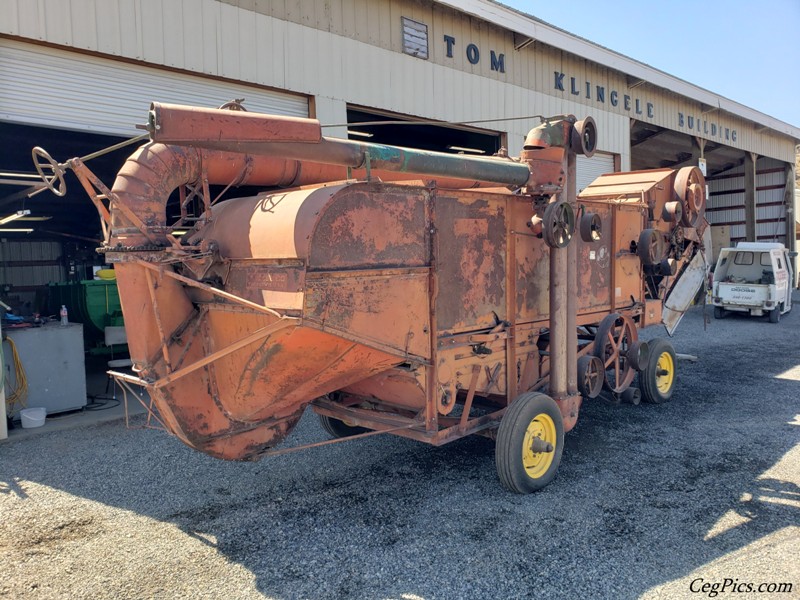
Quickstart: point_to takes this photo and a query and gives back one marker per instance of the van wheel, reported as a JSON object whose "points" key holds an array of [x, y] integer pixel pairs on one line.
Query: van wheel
{"points": [[775, 315], [657, 381], [530, 441], [339, 429], [719, 312]]}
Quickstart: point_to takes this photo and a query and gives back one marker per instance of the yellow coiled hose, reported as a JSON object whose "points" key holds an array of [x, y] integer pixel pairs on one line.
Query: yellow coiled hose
{"points": [[15, 398]]}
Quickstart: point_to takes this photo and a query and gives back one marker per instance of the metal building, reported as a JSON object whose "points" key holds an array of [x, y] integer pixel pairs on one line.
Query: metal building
{"points": [[78, 75]]}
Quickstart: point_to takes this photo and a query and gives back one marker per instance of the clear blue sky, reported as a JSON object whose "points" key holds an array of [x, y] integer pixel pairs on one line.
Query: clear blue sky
{"points": [[744, 50]]}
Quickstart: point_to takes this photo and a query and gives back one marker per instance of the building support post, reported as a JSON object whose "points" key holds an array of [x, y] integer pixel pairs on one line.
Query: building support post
{"points": [[750, 196], [791, 215], [698, 149]]}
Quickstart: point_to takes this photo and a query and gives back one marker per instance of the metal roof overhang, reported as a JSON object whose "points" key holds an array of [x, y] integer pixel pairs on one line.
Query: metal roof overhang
{"points": [[530, 26]]}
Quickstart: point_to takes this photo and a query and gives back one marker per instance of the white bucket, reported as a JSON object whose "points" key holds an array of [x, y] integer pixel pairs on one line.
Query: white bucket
{"points": [[32, 417]]}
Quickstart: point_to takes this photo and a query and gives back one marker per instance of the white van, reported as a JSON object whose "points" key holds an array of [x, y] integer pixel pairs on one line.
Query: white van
{"points": [[755, 278]]}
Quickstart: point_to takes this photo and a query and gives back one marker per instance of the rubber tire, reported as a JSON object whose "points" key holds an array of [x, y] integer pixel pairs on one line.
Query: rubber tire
{"points": [[775, 315], [648, 377], [339, 429], [719, 312], [510, 438]]}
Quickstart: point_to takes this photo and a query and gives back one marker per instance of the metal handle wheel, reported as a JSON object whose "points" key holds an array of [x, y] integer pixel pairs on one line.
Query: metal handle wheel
{"points": [[55, 180]]}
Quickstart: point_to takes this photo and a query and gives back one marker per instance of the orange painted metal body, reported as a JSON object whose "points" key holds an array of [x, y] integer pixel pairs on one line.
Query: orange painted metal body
{"points": [[386, 304]]}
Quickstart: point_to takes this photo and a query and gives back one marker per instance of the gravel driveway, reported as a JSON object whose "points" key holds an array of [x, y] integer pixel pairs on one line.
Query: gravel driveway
{"points": [[651, 501]]}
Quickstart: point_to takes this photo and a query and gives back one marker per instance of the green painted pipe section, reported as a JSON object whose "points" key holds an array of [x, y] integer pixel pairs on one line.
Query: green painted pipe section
{"points": [[440, 164]]}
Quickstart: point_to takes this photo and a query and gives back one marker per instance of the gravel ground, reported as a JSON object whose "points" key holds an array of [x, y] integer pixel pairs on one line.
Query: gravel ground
{"points": [[648, 499]]}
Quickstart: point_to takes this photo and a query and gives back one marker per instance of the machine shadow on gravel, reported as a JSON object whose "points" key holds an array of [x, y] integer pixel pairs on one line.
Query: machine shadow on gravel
{"points": [[638, 502]]}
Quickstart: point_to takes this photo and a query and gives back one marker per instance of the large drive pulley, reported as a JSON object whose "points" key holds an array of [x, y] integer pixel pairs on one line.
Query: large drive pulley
{"points": [[616, 336], [584, 137], [591, 375], [558, 224], [691, 191], [591, 227], [650, 247]]}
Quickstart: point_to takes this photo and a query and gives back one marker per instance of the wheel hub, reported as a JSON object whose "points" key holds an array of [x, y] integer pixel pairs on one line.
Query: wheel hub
{"points": [[538, 445]]}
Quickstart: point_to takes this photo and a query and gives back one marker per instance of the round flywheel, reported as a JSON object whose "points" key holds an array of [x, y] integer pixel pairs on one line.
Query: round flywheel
{"points": [[650, 247], [591, 227], [584, 137], [558, 224], [616, 334], [591, 375], [690, 187]]}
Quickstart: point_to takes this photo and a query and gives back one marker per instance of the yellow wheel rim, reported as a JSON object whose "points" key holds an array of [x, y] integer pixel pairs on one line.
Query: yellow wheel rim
{"points": [[665, 372], [537, 463]]}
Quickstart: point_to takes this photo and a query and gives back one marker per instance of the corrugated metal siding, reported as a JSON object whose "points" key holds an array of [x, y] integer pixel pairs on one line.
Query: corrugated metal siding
{"points": [[25, 275], [352, 50], [726, 201], [21, 250], [50, 87], [770, 207]]}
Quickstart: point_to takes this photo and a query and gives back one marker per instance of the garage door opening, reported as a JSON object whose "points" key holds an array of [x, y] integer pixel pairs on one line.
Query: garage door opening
{"points": [[72, 215], [366, 126], [654, 147]]}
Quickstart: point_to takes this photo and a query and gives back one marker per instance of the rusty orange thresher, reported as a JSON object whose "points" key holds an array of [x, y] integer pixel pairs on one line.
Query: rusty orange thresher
{"points": [[427, 295]]}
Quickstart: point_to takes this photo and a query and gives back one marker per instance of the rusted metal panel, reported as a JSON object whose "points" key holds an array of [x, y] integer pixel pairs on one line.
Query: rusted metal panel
{"points": [[533, 260], [628, 224], [621, 185], [268, 283], [370, 225], [394, 388], [257, 391], [273, 226], [594, 264], [652, 313], [388, 309], [470, 261], [283, 372]]}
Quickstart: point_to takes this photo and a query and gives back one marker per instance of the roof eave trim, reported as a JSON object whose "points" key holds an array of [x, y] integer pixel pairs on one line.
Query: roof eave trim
{"points": [[515, 21]]}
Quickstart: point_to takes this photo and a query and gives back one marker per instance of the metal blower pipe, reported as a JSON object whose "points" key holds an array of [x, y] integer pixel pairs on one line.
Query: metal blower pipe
{"points": [[175, 124], [572, 282], [559, 295], [226, 135]]}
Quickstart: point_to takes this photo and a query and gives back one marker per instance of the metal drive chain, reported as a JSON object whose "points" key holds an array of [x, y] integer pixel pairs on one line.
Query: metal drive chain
{"points": [[143, 248]]}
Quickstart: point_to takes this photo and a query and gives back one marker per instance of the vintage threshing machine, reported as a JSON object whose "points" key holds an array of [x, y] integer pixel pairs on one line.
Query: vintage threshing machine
{"points": [[422, 294]]}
